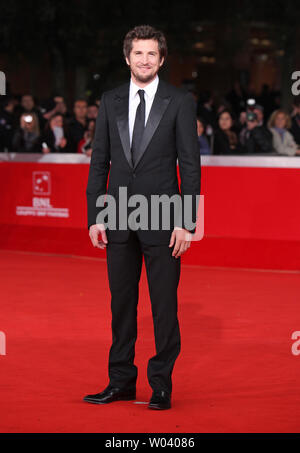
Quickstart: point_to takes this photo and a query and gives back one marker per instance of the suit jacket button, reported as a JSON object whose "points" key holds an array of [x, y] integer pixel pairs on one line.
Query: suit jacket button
{"points": [[134, 175]]}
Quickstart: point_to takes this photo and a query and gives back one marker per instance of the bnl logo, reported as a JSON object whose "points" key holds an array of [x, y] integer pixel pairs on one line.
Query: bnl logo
{"points": [[2, 343], [2, 84]]}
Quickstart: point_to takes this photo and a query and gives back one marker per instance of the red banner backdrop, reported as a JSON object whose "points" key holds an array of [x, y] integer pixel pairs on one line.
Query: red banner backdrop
{"points": [[43, 194], [251, 215]]}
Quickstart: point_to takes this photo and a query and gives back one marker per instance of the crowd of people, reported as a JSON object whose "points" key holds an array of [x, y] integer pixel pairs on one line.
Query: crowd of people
{"points": [[26, 127], [238, 124], [241, 124]]}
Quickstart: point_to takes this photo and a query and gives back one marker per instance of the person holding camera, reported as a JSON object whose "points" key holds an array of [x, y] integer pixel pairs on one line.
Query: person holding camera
{"points": [[28, 106], [256, 139], [26, 138]]}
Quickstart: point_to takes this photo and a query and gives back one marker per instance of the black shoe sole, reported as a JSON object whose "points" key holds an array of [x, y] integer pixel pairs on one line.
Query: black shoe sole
{"points": [[158, 408], [120, 398]]}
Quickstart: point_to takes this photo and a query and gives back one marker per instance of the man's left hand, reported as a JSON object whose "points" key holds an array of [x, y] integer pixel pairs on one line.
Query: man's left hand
{"points": [[182, 240]]}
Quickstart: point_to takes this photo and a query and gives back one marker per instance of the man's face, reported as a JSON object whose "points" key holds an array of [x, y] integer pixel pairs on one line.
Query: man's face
{"points": [[58, 99], [252, 124], [27, 103], [144, 60], [61, 107], [92, 112], [80, 109]]}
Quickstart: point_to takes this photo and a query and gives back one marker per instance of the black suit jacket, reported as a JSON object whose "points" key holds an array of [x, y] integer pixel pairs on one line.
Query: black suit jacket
{"points": [[170, 134]]}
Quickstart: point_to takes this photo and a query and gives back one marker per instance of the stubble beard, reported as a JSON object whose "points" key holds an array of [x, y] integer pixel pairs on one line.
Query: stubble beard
{"points": [[145, 78]]}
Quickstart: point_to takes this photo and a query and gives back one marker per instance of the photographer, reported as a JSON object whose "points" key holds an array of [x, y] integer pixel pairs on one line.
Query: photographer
{"points": [[29, 107], [26, 139], [256, 139]]}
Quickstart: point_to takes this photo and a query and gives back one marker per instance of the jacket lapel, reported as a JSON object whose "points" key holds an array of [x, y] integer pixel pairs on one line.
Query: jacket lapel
{"points": [[121, 105], [159, 105]]}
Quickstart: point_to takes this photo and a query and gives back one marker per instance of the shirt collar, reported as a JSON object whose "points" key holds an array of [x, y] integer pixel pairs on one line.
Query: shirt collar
{"points": [[149, 89]]}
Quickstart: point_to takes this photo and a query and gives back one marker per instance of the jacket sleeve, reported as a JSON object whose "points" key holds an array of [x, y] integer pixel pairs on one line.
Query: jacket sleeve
{"points": [[263, 139], [100, 164], [189, 162]]}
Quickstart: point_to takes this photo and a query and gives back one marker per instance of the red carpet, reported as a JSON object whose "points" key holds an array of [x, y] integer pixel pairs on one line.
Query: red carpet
{"points": [[210, 251], [236, 372]]}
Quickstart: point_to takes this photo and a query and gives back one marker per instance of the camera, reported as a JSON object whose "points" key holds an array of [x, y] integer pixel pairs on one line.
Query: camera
{"points": [[250, 104], [28, 119]]}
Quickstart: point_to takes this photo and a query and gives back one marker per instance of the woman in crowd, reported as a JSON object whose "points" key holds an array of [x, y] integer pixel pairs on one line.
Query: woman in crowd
{"points": [[204, 147], [283, 141], [27, 137], [54, 138], [225, 139], [85, 145]]}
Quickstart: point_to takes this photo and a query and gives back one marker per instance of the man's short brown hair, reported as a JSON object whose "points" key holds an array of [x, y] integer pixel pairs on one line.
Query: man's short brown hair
{"points": [[145, 32]]}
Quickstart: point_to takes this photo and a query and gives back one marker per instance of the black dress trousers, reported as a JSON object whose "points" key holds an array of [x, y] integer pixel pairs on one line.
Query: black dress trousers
{"points": [[124, 264]]}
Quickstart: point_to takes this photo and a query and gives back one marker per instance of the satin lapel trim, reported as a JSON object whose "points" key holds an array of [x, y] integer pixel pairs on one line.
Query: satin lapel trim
{"points": [[157, 110], [122, 103]]}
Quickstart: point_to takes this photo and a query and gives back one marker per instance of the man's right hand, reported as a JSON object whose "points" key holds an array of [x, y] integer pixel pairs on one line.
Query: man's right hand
{"points": [[94, 232]]}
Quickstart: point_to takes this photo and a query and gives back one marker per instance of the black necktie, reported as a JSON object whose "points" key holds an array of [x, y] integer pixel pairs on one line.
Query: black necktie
{"points": [[139, 126]]}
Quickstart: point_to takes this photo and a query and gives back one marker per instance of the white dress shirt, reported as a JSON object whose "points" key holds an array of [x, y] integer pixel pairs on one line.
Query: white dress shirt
{"points": [[134, 100]]}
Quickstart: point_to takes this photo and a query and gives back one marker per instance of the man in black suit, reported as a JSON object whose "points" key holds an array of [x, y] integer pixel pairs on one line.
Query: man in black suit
{"points": [[142, 128]]}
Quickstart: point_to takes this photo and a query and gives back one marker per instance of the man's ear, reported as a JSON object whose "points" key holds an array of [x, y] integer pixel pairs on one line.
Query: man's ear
{"points": [[161, 61], [127, 61]]}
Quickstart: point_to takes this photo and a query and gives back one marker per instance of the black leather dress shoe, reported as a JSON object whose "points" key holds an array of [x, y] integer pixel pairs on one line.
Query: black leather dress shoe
{"points": [[111, 394], [160, 400]]}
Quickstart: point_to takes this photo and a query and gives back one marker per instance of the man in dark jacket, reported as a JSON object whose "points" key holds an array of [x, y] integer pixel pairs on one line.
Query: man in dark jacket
{"points": [[77, 125], [256, 139], [7, 122], [142, 128]]}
